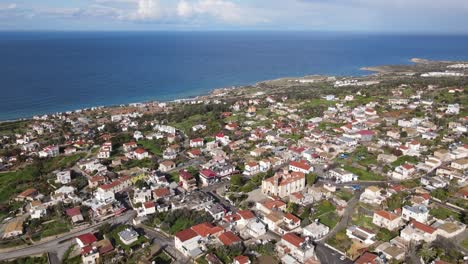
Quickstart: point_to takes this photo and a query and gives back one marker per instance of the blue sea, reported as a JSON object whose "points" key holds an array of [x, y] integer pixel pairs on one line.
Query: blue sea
{"points": [[46, 72]]}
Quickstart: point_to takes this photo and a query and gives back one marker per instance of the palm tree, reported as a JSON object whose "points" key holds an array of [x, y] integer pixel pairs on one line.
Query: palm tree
{"points": [[427, 253]]}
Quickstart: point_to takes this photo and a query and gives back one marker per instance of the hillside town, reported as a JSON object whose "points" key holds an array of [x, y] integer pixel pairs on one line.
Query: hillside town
{"points": [[333, 170]]}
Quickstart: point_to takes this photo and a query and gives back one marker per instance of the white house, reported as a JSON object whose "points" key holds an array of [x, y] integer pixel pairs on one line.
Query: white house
{"points": [[419, 213], [216, 210], [186, 241], [196, 143], [300, 166], [64, 177], [403, 172], [385, 219], [296, 247], [316, 230], [128, 236], [341, 175], [361, 234], [372, 195], [417, 231], [453, 109], [140, 154]]}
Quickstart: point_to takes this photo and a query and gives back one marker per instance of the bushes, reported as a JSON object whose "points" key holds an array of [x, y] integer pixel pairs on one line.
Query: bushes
{"points": [[178, 220]]}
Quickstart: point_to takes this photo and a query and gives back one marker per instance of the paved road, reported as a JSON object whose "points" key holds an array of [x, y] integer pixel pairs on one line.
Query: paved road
{"points": [[60, 244], [329, 256], [346, 218]]}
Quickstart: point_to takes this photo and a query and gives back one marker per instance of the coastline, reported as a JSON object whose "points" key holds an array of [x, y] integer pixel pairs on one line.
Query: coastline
{"points": [[417, 64]]}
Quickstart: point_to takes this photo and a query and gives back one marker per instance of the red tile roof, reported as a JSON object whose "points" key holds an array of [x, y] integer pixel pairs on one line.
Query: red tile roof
{"points": [[242, 259], [367, 258], [149, 204], [205, 229], [162, 192], [293, 239], [366, 132], [387, 215], [27, 192], [292, 217], [300, 164], [140, 151], [422, 227], [186, 234], [246, 214], [228, 238], [408, 166], [207, 173], [87, 238], [270, 204], [73, 211], [185, 175]]}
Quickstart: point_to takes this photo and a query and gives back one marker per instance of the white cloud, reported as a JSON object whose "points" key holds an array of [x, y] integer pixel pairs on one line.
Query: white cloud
{"points": [[184, 9], [224, 10], [8, 6], [147, 10]]}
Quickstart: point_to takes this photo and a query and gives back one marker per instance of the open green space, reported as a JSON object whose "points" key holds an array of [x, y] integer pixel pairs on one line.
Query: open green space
{"points": [[363, 174]]}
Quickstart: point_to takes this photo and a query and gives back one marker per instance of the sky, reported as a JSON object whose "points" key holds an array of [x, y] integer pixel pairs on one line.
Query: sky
{"points": [[422, 16]]}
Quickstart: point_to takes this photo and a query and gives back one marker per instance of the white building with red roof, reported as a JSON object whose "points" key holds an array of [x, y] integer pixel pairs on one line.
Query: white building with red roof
{"points": [[386, 219], [117, 185], [296, 247], [85, 239], [186, 241], [251, 168], [196, 143], [140, 153], [300, 166], [417, 231], [207, 177], [403, 172]]}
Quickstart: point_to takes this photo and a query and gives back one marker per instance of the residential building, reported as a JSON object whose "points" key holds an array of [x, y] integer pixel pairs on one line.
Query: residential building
{"points": [[419, 213], [385, 219], [283, 184], [361, 234], [417, 231]]}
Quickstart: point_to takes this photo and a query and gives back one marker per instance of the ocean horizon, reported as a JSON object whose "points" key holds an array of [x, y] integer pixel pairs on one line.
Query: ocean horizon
{"points": [[47, 72]]}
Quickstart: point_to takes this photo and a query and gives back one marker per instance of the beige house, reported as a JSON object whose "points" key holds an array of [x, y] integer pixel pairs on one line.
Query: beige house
{"points": [[166, 165], [284, 184]]}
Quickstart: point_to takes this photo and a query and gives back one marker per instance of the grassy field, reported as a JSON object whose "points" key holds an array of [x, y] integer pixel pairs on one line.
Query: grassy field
{"points": [[54, 228], [153, 146], [443, 213], [404, 159], [326, 213], [363, 221], [15, 182], [344, 194], [61, 162], [364, 175]]}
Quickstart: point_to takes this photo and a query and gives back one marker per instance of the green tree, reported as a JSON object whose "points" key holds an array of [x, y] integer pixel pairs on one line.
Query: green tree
{"points": [[427, 253], [441, 194], [311, 178], [236, 180], [292, 208], [105, 228]]}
